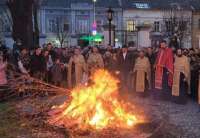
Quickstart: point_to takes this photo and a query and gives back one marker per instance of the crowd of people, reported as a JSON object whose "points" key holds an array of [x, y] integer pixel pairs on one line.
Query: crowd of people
{"points": [[168, 73]]}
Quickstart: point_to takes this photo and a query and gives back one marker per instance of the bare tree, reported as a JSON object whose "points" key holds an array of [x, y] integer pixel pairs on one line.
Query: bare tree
{"points": [[61, 31], [177, 25]]}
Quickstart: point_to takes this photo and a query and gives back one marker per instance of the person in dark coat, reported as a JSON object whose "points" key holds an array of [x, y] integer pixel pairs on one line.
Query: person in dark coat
{"points": [[194, 76], [152, 58], [37, 64], [52, 53], [124, 66]]}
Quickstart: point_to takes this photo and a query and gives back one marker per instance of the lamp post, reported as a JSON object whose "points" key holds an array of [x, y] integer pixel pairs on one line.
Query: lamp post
{"points": [[94, 1], [94, 25], [110, 13]]}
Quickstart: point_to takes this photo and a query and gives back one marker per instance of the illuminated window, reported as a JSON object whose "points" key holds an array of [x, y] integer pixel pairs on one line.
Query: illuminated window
{"points": [[131, 26], [146, 23]]}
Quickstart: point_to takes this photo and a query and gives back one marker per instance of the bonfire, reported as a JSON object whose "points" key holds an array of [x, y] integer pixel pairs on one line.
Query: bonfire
{"points": [[96, 105]]}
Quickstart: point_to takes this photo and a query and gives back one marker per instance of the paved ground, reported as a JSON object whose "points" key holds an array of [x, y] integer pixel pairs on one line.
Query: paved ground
{"points": [[185, 119], [173, 120]]}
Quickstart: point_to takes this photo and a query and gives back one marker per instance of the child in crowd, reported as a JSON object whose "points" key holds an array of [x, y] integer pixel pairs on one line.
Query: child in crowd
{"points": [[56, 72]]}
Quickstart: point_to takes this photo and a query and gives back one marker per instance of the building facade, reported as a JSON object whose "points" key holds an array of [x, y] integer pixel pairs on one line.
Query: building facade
{"points": [[77, 19], [140, 23], [149, 22]]}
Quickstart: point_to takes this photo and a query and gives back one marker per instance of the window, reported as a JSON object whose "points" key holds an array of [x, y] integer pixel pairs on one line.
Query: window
{"points": [[131, 26], [156, 26], [82, 26], [99, 25], [66, 27], [168, 26], [52, 25], [51, 11], [182, 25]]}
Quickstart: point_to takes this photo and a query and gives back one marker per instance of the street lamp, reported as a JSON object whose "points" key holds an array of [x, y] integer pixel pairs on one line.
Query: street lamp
{"points": [[94, 25], [110, 13], [94, 1]]}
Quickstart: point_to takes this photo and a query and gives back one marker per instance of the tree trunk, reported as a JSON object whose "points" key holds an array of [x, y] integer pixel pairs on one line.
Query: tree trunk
{"points": [[61, 43], [21, 12], [36, 26]]}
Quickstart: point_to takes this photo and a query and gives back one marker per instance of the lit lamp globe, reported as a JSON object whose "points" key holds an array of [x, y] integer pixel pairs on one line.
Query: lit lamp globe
{"points": [[94, 32], [110, 13]]}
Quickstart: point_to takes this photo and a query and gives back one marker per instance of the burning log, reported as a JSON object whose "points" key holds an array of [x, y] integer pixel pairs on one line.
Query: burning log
{"points": [[94, 107]]}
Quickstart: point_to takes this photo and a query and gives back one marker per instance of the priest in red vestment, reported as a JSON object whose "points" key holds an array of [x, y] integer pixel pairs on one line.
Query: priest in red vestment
{"points": [[164, 69]]}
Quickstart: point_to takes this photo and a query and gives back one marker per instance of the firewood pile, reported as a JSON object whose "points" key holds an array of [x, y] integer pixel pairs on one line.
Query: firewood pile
{"points": [[25, 85]]}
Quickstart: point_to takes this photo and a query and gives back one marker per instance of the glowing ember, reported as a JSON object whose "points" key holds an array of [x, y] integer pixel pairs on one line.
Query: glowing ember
{"points": [[95, 106]]}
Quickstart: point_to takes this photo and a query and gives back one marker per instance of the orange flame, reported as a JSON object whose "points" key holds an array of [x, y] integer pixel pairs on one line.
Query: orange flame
{"points": [[96, 106]]}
